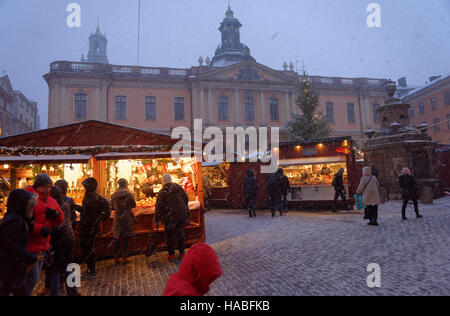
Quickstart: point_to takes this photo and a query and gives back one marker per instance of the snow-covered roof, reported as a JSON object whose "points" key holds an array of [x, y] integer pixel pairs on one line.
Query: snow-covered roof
{"points": [[430, 84]]}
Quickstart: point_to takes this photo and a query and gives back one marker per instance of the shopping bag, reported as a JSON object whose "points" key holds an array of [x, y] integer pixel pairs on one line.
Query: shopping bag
{"points": [[358, 201]]}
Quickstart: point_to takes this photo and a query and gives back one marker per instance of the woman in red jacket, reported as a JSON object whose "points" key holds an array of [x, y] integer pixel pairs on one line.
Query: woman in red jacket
{"points": [[47, 215], [200, 267]]}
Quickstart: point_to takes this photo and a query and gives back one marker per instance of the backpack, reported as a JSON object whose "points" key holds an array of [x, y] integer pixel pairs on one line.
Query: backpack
{"points": [[105, 208]]}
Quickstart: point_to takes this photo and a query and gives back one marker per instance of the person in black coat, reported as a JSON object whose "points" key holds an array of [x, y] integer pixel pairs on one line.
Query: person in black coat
{"points": [[172, 208], [250, 192], [14, 232], [410, 191], [274, 184], [339, 189], [92, 213], [285, 189]]}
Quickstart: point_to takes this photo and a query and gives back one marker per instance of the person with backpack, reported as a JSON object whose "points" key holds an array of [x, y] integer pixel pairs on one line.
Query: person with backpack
{"points": [[274, 183], [368, 188], [285, 189], [15, 230], [410, 191], [47, 215], [250, 192], [339, 189], [123, 228], [172, 209], [95, 210]]}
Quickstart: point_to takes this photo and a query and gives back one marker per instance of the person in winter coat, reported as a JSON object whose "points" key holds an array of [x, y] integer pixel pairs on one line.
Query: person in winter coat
{"points": [[207, 192], [250, 192], [93, 212], [410, 191], [285, 189], [368, 188], [122, 203], [63, 245], [14, 232], [339, 189], [63, 185], [47, 215], [199, 268], [274, 184], [172, 209]]}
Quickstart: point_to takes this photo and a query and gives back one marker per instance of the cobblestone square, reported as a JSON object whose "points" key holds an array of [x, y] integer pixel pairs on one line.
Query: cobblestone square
{"points": [[306, 253]]}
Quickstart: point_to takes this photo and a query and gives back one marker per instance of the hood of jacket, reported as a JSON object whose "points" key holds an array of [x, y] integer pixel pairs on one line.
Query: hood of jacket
{"points": [[367, 171], [90, 184], [200, 267], [250, 173], [63, 185], [120, 193], [18, 201]]}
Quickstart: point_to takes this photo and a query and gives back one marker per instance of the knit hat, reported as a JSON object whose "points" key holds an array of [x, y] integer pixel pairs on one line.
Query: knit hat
{"points": [[42, 180], [167, 179], [406, 170]]}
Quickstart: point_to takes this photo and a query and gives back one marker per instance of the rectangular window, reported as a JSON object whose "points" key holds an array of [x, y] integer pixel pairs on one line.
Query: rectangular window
{"points": [[436, 125], [249, 108], [376, 116], [411, 112], [223, 108], [178, 105], [330, 112], [421, 108], [447, 98], [80, 106], [121, 108], [433, 103], [351, 113], [274, 108], [150, 108]]}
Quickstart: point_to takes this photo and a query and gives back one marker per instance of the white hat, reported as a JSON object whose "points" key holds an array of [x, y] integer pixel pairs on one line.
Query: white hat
{"points": [[167, 179]]}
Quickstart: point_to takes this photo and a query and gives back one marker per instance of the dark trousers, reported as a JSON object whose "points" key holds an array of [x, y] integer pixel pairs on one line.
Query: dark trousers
{"points": [[275, 203], [341, 194], [177, 233], [284, 203], [250, 202], [88, 250], [372, 213], [124, 246], [405, 203]]}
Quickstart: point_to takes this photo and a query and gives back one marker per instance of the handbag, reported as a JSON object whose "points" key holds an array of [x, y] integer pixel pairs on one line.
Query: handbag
{"points": [[359, 200], [152, 243]]}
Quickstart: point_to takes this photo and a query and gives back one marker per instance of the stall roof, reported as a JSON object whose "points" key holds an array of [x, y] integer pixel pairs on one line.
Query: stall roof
{"points": [[45, 158], [311, 160]]}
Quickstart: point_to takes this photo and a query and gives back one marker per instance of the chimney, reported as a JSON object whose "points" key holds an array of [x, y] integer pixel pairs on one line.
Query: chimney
{"points": [[402, 82], [433, 78]]}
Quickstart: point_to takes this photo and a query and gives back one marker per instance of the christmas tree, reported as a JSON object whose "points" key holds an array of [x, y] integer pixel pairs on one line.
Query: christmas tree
{"points": [[310, 123]]}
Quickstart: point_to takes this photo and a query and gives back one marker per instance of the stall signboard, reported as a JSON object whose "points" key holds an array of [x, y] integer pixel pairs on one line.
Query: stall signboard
{"points": [[310, 151]]}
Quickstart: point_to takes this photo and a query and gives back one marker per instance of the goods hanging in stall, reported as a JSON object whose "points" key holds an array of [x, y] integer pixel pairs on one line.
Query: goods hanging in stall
{"points": [[102, 150]]}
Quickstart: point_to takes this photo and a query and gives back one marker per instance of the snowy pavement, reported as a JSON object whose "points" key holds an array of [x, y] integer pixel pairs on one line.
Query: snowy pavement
{"points": [[307, 253]]}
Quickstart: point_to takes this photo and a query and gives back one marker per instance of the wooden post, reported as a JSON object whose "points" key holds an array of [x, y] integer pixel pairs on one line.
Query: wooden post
{"points": [[200, 184]]}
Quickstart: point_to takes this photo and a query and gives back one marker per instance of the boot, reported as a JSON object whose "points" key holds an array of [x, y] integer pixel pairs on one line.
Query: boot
{"points": [[254, 213], [249, 213], [117, 259], [418, 215]]}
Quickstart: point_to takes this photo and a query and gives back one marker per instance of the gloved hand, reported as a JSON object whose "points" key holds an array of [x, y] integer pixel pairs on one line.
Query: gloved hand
{"points": [[45, 232], [51, 213]]}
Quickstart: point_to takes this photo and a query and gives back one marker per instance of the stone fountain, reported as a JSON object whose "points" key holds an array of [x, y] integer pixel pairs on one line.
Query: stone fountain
{"points": [[397, 144]]}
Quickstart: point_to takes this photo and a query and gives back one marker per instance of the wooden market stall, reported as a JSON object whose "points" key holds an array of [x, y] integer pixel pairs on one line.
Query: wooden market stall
{"points": [[310, 167], [107, 152]]}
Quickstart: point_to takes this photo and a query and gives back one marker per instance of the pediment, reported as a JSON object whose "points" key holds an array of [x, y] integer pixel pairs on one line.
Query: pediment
{"points": [[249, 71]]}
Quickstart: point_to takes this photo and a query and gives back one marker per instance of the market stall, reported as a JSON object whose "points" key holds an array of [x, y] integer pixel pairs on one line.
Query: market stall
{"points": [[106, 157], [310, 167], [217, 175]]}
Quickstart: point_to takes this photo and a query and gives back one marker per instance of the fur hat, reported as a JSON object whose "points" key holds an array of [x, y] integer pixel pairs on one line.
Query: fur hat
{"points": [[42, 180]]}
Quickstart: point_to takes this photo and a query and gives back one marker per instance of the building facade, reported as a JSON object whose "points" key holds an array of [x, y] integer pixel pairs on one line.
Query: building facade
{"points": [[431, 104], [17, 113], [232, 89]]}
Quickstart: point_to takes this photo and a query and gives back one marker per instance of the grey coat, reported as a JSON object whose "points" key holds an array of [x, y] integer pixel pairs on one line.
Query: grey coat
{"points": [[122, 203]]}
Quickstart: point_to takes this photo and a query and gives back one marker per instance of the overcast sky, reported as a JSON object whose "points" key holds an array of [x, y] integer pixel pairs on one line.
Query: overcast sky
{"points": [[330, 36]]}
